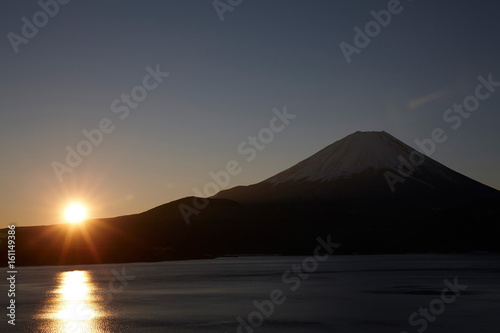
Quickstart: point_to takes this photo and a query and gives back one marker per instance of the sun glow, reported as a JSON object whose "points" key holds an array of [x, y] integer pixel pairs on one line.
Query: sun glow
{"points": [[75, 213]]}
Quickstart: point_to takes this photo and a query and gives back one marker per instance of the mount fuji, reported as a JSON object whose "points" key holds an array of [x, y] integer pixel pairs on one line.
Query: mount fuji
{"points": [[365, 171]]}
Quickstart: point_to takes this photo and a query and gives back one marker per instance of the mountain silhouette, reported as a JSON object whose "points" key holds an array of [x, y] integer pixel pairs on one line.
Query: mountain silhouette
{"points": [[366, 170], [371, 192]]}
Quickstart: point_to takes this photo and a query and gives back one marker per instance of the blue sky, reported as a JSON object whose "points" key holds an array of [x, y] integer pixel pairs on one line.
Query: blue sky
{"points": [[225, 79]]}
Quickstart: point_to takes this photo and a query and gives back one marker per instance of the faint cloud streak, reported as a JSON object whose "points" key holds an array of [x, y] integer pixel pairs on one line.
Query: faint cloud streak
{"points": [[417, 103]]}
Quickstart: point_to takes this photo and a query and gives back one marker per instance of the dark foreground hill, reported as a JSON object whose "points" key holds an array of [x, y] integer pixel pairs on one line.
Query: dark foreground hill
{"points": [[227, 227]]}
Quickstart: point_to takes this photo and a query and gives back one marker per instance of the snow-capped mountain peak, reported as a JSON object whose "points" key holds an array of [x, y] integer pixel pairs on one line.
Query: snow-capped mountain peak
{"points": [[356, 167], [349, 156]]}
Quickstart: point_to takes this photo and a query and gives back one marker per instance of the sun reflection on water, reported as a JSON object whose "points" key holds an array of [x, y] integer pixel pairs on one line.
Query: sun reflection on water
{"points": [[75, 297], [73, 305]]}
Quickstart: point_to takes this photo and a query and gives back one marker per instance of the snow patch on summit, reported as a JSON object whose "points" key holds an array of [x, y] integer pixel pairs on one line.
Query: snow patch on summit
{"points": [[353, 154]]}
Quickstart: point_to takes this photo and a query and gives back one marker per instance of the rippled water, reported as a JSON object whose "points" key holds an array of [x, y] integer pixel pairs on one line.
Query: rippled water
{"points": [[343, 294]]}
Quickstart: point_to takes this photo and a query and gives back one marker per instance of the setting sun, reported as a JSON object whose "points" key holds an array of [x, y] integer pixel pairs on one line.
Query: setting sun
{"points": [[75, 213]]}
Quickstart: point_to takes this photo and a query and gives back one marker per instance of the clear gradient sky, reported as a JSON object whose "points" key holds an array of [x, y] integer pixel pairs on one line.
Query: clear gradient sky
{"points": [[225, 79]]}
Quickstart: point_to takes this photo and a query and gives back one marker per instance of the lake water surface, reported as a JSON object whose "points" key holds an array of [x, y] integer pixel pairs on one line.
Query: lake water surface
{"points": [[343, 294]]}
